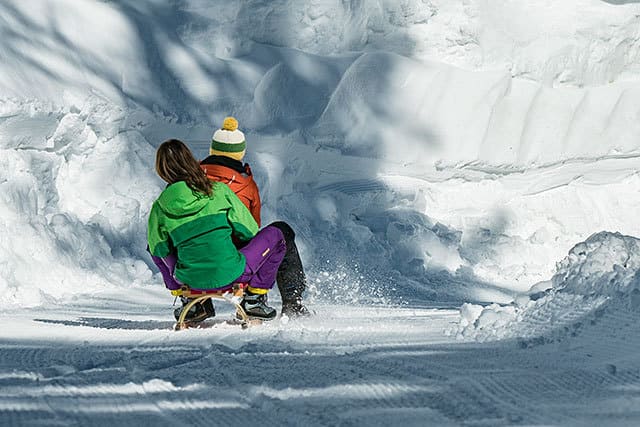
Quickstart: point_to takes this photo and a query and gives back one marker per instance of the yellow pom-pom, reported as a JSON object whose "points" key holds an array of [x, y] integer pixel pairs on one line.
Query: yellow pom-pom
{"points": [[230, 123]]}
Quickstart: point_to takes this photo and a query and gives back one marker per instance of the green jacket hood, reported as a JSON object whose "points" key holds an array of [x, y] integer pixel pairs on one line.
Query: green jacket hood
{"points": [[178, 200]]}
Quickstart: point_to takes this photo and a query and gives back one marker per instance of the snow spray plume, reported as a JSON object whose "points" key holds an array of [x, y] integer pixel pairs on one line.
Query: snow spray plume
{"points": [[174, 162]]}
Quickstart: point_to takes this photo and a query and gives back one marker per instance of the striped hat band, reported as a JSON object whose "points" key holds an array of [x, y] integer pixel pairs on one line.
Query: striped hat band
{"points": [[228, 148]]}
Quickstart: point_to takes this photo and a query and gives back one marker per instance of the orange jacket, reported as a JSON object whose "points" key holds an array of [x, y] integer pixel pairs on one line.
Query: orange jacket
{"points": [[238, 177]]}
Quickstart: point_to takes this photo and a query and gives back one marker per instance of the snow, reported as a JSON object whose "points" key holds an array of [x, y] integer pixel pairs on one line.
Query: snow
{"points": [[596, 281], [462, 177]]}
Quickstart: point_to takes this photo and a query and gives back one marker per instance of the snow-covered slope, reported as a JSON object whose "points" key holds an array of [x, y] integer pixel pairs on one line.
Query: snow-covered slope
{"points": [[427, 152], [466, 142]]}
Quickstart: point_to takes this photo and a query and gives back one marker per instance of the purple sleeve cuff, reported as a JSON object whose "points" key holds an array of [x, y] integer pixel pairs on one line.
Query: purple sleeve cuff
{"points": [[167, 266]]}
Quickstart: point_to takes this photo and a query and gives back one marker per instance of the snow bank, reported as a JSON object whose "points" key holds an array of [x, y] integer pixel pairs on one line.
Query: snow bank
{"points": [[75, 192], [438, 149], [583, 42], [394, 108], [437, 82], [599, 278]]}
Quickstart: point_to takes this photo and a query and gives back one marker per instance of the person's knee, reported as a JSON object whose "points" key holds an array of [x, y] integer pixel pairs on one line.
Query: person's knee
{"points": [[286, 229]]}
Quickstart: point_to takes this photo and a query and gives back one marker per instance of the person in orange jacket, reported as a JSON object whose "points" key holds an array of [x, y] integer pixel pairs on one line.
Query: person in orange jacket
{"points": [[224, 164]]}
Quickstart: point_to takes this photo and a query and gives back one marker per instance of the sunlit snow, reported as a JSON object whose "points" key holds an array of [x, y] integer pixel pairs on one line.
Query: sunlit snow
{"points": [[462, 177]]}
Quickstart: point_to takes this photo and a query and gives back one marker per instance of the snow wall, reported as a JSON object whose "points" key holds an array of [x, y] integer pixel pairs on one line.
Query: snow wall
{"points": [[595, 292], [433, 150]]}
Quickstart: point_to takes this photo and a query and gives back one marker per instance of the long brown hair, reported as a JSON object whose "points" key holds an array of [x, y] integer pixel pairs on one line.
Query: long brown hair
{"points": [[174, 162]]}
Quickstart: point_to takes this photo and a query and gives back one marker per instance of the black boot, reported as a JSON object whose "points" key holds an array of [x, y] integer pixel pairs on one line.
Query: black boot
{"points": [[294, 308], [199, 312], [292, 301], [255, 305]]}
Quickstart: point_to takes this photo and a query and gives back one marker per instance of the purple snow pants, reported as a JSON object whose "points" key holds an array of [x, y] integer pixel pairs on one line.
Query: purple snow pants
{"points": [[263, 253]]}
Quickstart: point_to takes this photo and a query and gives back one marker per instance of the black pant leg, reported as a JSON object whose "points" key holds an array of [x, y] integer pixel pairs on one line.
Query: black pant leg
{"points": [[291, 278]]}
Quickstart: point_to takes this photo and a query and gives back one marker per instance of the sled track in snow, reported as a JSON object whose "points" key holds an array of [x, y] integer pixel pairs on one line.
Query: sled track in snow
{"points": [[385, 366], [99, 386], [583, 371]]}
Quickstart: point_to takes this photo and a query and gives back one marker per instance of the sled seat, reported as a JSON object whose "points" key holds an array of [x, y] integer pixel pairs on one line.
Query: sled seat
{"points": [[232, 294]]}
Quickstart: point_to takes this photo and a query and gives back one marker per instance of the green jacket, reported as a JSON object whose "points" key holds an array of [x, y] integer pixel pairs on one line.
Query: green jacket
{"points": [[198, 228]]}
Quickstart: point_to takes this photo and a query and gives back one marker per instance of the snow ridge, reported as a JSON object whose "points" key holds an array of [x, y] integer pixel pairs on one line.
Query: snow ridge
{"points": [[67, 190], [598, 282]]}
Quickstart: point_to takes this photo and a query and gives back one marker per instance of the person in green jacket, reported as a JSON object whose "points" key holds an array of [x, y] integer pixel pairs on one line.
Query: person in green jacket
{"points": [[192, 229]]}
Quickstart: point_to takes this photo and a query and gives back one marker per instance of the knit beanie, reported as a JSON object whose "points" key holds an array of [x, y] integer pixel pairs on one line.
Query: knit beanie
{"points": [[228, 141]]}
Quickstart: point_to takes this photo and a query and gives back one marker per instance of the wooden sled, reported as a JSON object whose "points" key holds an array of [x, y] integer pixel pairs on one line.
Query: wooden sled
{"points": [[233, 296]]}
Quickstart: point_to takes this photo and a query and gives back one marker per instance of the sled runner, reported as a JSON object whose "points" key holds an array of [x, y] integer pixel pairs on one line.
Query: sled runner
{"points": [[233, 296]]}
